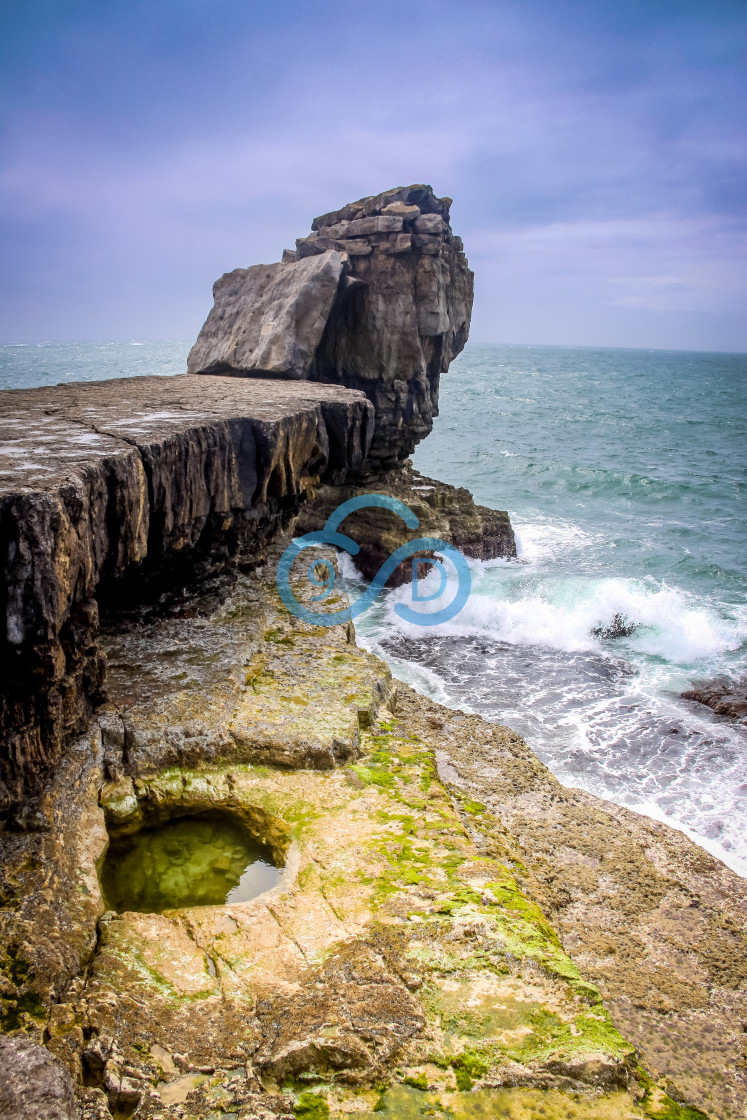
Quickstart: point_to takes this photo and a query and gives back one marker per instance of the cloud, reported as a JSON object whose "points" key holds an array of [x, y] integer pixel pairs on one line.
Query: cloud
{"points": [[596, 156]]}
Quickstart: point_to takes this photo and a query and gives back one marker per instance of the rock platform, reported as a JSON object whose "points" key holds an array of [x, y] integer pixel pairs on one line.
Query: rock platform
{"points": [[114, 483], [413, 960]]}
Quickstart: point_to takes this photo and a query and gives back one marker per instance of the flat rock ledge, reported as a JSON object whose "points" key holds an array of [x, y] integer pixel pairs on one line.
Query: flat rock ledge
{"points": [[112, 483], [378, 297]]}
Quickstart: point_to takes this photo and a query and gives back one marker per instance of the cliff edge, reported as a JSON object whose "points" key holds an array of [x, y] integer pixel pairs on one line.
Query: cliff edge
{"points": [[105, 486]]}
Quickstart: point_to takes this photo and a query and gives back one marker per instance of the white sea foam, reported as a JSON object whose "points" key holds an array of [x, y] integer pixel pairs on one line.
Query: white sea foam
{"points": [[545, 540], [562, 612]]}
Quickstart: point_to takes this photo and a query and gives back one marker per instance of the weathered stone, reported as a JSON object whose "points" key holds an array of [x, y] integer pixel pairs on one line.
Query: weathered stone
{"points": [[359, 248], [33, 1084], [364, 227], [652, 919], [427, 243], [429, 223], [238, 678], [403, 943], [103, 479], [724, 697], [50, 899], [406, 212], [399, 243], [448, 513], [405, 322], [269, 319], [313, 246]]}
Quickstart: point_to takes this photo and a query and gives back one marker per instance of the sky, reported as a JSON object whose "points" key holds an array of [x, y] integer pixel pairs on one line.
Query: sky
{"points": [[596, 152]]}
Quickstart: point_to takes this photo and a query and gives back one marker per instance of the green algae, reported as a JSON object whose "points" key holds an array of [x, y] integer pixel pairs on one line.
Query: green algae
{"points": [[468, 1068], [311, 1106], [410, 1102], [16, 1011], [192, 861]]}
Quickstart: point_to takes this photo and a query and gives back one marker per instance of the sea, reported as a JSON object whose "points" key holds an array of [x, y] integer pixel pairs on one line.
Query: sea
{"points": [[625, 475]]}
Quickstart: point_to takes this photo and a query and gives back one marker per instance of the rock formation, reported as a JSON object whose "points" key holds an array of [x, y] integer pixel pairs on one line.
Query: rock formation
{"points": [[413, 955], [378, 298], [446, 512], [115, 481], [724, 697], [409, 962], [33, 1083]]}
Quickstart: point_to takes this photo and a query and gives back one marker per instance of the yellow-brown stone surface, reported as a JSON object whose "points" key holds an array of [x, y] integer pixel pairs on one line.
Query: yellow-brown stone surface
{"points": [[433, 946]]}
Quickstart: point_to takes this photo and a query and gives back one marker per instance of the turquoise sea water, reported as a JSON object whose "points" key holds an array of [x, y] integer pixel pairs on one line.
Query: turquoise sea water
{"points": [[24, 365], [625, 474]]}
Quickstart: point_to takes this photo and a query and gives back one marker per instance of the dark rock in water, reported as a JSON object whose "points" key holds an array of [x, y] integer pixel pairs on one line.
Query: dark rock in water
{"points": [[619, 627], [724, 697], [114, 481], [377, 298], [446, 512], [34, 1085]]}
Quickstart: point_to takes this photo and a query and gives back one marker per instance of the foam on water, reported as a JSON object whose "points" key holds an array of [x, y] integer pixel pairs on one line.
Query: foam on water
{"points": [[625, 477]]}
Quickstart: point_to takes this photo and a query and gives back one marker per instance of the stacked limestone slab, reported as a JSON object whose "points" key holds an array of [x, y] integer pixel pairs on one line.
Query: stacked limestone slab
{"points": [[378, 297], [107, 483]]}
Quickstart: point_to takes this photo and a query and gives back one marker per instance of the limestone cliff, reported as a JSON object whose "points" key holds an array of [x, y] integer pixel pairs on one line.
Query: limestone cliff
{"points": [[116, 482], [378, 297]]}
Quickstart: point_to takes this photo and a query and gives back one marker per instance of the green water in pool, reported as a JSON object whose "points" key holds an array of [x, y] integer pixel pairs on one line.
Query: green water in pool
{"points": [[205, 860]]}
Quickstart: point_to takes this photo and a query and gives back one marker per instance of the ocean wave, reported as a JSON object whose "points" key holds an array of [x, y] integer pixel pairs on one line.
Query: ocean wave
{"points": [[561, 613]]}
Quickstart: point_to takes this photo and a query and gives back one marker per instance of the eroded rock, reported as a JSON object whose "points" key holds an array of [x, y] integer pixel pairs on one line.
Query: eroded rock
{"points": [[128, 479], [233, 675], [399, 315], [652, 919], [268, 319], [404, 944], [33, 1084], [448, 513], [724, 697]]}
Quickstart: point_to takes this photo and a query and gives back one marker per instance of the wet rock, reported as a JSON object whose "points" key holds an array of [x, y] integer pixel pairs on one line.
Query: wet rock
{"points": [[122, 480], [400, 313], [619, 626], [724, 697], [448, 513], [652, 919], [33, 1084]]}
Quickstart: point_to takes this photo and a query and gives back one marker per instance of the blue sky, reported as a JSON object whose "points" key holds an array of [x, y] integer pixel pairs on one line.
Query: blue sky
{"points": [[596, 152]]}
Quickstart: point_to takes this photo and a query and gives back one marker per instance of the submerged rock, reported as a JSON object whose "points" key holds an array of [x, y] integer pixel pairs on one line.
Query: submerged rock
{"points": [[619, 626], [378, 298], [724, 697]]}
